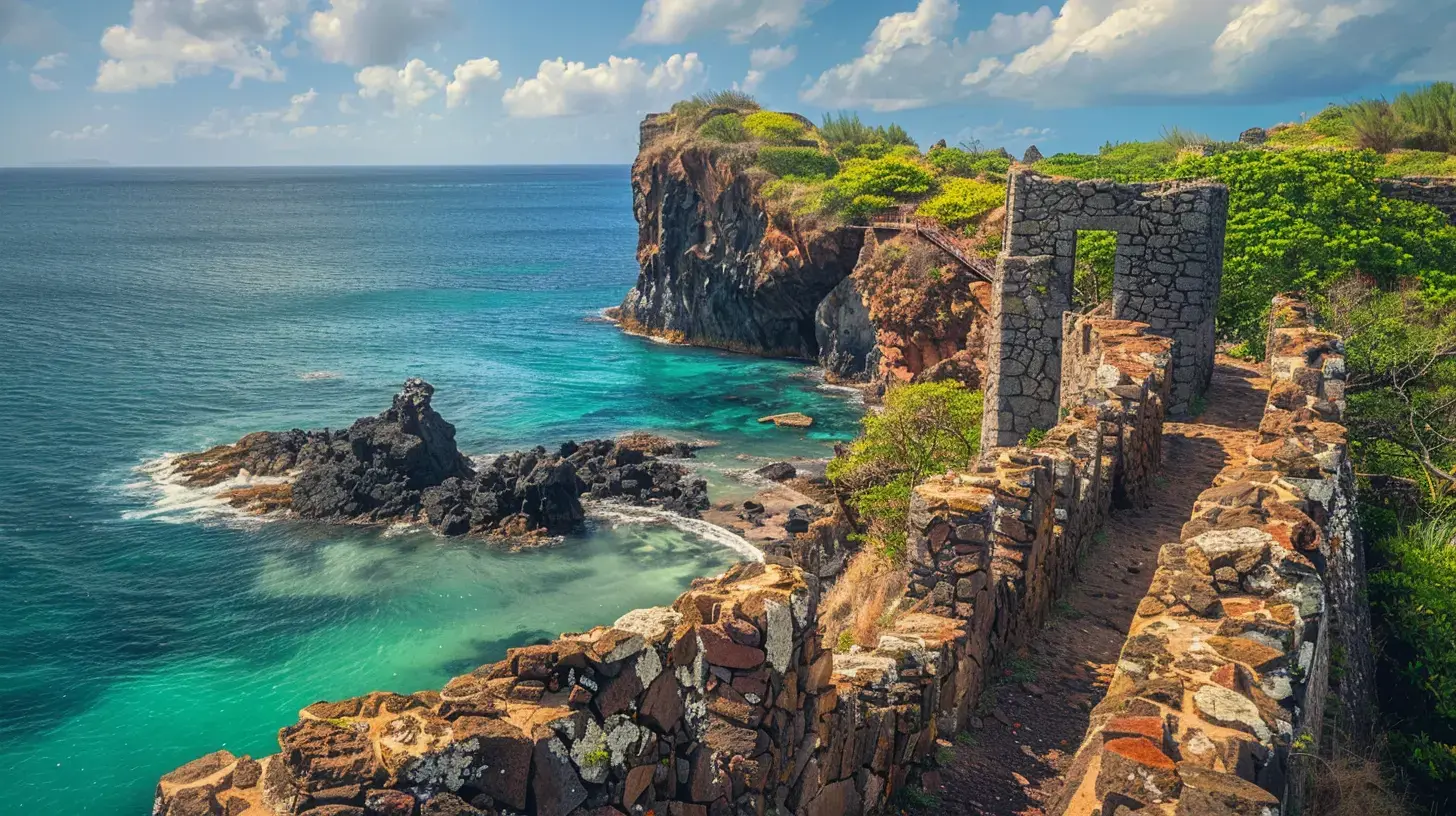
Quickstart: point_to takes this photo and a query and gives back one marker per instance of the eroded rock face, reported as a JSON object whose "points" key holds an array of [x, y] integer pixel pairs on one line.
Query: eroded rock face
{"points": [[717, 269], [404, 465]]}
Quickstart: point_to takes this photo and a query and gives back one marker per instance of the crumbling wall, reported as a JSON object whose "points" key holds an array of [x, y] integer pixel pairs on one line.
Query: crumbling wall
{"points": [[1167, 274], [1437, 192], [994, 546], [1223, 689], [728, 702]]}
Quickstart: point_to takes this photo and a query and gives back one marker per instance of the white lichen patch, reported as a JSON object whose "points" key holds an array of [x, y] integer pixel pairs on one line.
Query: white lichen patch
{"points": [[780, 640], [649, 665], [588, 753], [449, 769]]}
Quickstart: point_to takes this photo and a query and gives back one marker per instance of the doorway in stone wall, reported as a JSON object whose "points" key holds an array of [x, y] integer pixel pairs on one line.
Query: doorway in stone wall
{"points": [[1095, 265]]}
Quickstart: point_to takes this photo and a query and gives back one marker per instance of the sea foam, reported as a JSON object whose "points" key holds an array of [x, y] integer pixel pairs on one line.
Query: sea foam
{"points": [[615, 513]]}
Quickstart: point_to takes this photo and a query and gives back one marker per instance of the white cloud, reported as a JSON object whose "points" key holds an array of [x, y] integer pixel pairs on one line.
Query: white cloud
{"points": [[998, 135], [370, 32], [672, 21], [226, 124], [50, 61], [911, 60], [763, 60], [1146, 52], [172, 39], [311, 131], [299, 104], [562, 88], [408, 87], [85, 134], [469, 75], [346, 104], [41, 83]]}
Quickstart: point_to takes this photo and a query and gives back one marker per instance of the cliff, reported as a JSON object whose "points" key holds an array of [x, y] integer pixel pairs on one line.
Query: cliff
{"points": [[724, 267], [717, 269]]}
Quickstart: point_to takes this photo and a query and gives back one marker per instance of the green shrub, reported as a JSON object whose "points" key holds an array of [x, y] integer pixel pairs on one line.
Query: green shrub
{"points": [[865, 186], [845, 128], [777, 128], [1180, 139], [799, 162], [924, 429], [963, 200], [1302, 219], [725, 128], [1095, 265], [693, 108], [1415, 596], [964, 164], [1419, 163], [1430, 113], [1332, 122], [1375, 125], [1127, 162]]}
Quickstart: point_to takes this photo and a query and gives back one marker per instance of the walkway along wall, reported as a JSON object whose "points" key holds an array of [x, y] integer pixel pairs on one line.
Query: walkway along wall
{"points": [[727, 702], [1167, 274], [1227, 684]]}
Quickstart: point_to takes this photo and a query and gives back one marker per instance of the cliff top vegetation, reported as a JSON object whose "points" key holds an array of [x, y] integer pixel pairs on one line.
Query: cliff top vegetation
{"points": [[842, 168]]}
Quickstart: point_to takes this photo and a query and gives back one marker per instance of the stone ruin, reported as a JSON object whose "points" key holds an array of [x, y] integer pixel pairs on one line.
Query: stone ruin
{"points": [[1167, 276]]}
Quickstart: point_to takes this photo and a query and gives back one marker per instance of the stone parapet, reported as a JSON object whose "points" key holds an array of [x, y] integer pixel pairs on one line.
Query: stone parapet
{"points": [[993, 547], [1437, 192], [1221, 689]]}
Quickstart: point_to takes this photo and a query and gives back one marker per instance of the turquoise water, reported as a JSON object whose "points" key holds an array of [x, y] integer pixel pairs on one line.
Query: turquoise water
{"points": [[153, 311]]}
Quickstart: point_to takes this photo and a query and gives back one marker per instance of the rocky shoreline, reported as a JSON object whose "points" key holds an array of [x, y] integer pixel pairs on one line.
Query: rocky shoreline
{"points": [[404, 466]]}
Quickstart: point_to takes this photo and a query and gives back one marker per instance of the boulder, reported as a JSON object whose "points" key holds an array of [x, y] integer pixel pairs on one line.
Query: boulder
{"points": [[777, 472], [1032, 156]]}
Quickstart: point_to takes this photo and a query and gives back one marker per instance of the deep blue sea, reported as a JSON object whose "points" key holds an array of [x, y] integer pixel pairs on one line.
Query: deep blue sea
{"points": [[147, 312]]}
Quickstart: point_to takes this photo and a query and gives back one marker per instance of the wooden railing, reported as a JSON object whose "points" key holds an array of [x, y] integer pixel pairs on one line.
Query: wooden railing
{"points": [[933, 232]]}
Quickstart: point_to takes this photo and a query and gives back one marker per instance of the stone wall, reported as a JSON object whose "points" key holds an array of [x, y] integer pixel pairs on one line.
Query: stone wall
{"points": [[1225, 687], [1167, 275], [727, 702], [1437, 192], [994, 546]]}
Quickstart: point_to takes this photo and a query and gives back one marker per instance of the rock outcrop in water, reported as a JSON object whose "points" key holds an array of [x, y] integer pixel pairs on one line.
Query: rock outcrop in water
{"points": [[404, 466]]}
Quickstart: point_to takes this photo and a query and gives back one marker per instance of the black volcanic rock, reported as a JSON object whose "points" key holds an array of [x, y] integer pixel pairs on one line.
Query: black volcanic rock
{"points": [[404, 465], [717, 268]]}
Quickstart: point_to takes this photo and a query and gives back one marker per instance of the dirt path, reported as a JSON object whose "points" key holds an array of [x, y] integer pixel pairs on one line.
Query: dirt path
{"points": [[1032, 721]]}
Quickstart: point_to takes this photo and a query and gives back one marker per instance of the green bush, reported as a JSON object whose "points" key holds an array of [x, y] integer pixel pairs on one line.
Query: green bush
{"points": [[924, 430], [799, 162], [725, 128], [955, 162], [1127, 162], [1430, 113], [1414, 594], [1096, 262], [777, 128], [1301, 219], [865, 186], [963, 200], [1375, 125], [845, 128], [1419, 163], [694, 107]]}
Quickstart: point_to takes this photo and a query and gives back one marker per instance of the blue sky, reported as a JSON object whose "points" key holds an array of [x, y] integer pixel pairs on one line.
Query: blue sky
{"points": [[244, 82]]}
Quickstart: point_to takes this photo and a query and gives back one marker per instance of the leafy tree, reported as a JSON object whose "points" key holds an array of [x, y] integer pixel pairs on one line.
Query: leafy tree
{"points": [[778, 128], [1302, 219], [1400, 385], [865, 186], [924, 430], [963, 200]]}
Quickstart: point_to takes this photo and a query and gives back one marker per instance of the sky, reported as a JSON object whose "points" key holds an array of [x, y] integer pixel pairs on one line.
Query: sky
{"points": [[441, 82]]}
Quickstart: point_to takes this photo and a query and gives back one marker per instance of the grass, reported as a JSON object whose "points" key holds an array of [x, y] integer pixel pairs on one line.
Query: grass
{"points": [[967, 738], [919, 799], [1019, 670], [1063, 609], [862, 603]]}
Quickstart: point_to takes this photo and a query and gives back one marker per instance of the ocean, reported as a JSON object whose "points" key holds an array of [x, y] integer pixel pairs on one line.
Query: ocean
{"points": [[153, 311]]}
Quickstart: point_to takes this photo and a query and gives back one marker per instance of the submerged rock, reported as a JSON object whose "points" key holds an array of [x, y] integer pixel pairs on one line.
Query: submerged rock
{"points": [[404, 465]]}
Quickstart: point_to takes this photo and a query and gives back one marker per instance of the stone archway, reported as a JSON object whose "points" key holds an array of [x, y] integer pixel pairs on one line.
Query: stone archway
{"points": [[1168, 271]]}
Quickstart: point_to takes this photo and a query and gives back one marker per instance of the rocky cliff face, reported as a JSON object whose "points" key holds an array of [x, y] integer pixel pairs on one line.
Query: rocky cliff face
{"points": [[717, 269]]}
